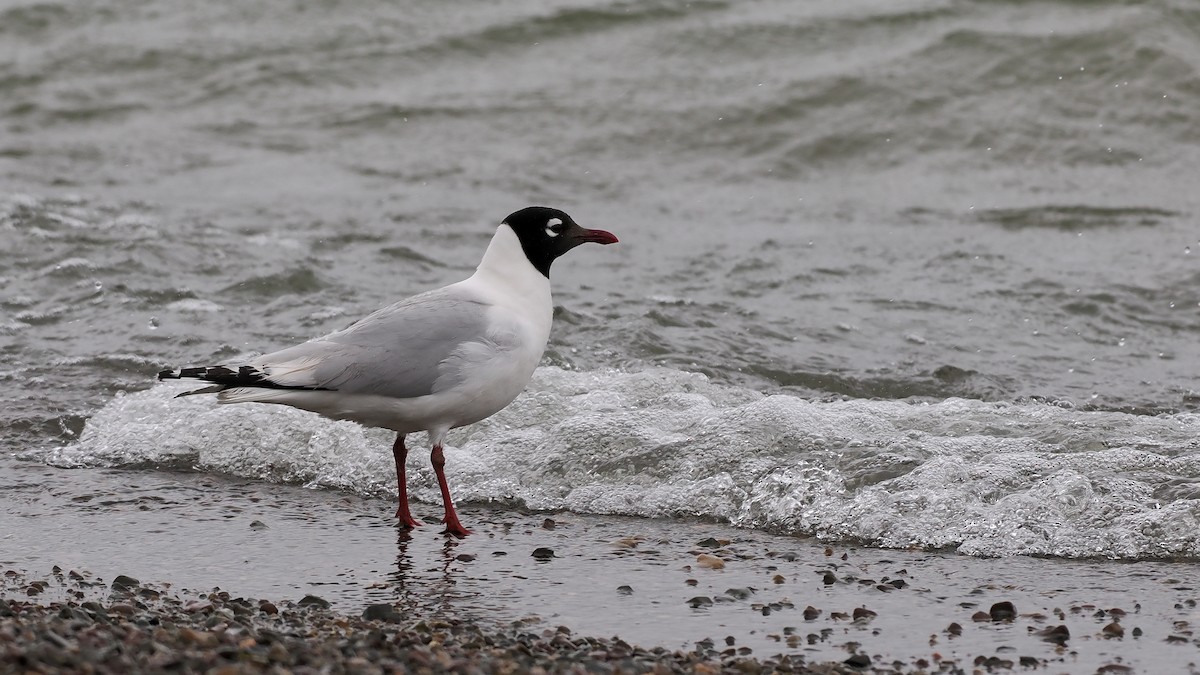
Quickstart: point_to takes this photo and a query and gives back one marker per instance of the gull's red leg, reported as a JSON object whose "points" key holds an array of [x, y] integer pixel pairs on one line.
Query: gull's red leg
{"points": [[453, 526], [400, 452]]}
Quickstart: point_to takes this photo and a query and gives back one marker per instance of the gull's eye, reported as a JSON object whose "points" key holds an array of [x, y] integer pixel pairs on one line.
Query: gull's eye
{"points": [[554, 227]]}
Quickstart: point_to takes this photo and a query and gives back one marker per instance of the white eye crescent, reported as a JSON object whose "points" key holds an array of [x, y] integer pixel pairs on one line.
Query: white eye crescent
{"points": [[553, 227]]}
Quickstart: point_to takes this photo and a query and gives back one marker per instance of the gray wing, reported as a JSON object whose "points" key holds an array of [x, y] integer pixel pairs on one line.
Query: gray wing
{"points": [[397, 351]]}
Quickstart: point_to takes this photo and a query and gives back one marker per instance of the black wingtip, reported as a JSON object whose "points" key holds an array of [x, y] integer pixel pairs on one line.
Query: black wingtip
{"points": [[168, 374]]}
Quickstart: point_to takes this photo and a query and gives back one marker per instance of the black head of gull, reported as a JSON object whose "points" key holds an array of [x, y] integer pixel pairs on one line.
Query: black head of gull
{"points": [[547, 233]]}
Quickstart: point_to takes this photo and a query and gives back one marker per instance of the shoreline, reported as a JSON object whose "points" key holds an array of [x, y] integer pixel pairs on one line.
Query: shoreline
{"points": [[663, 584], [128, 627]]}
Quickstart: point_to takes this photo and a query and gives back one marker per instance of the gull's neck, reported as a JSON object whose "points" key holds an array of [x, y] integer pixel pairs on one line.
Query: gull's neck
{"points": [[506, 267]]}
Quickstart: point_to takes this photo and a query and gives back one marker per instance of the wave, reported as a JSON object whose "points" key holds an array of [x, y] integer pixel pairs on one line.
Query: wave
{"points": [[982, 478]]}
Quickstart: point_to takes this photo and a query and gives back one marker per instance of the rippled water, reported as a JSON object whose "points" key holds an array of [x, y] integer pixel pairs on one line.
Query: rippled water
{"points": [[912, 274]]}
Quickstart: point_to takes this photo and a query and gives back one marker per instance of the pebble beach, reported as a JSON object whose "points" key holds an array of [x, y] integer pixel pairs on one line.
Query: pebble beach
{"points": [[536, 592], [140, 628]]}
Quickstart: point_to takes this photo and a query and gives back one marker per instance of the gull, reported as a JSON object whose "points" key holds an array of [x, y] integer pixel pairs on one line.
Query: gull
{"points": [[436, 361]]}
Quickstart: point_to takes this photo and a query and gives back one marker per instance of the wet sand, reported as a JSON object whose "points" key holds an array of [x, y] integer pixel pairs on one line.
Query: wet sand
{"points": [[693, 587]]}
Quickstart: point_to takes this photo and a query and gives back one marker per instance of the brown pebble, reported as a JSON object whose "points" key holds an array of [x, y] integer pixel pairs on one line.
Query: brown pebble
{"points": [[811, 613], [1056, 634], [268, 607], [1003, 611], [858, 661], [198, 638], [980, 617], [778, 578], [691, 582], [864, 614], [549, 524], [1113, 630], [711, 562], [954, 628]]}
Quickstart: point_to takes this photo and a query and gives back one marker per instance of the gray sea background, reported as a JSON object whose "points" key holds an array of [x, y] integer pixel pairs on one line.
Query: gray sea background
{"points": [[904, 275]]}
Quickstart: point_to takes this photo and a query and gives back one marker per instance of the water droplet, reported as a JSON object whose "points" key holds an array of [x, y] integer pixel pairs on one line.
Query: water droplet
{"points": [[154, 323], [1187, 250], [1171, 305], [1121, 342]]}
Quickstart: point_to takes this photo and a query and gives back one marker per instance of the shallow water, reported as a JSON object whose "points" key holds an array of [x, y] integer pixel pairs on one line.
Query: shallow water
{"points": [[898, 275]]}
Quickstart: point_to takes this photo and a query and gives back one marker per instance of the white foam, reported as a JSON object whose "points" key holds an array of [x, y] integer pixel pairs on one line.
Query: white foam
{"points": [[986, 478]]}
